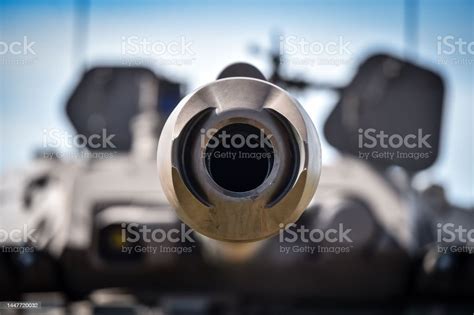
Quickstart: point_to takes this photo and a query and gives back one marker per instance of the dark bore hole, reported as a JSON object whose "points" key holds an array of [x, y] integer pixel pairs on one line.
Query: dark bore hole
{"points": [[239, 157]]}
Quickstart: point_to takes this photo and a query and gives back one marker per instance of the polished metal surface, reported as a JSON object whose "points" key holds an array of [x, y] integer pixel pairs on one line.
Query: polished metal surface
{"points": [[238, 204]]}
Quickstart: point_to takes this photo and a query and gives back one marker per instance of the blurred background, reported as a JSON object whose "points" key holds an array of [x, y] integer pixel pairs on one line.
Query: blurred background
{"points": [[68, 37], [72, 67]]}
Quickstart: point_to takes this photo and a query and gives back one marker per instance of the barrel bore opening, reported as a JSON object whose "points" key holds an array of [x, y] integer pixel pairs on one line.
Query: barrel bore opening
{"points": [[239, 157]]}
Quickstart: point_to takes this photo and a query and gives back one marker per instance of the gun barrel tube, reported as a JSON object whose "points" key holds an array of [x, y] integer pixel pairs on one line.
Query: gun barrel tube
{"points": [[238, 159]]}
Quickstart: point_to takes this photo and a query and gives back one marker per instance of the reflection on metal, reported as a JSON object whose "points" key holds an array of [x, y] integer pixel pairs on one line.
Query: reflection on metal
{"points": [[239, 206]]}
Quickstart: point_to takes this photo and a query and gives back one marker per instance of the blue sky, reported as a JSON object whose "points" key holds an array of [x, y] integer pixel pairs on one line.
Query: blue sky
{"points": [[33, 93]]}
